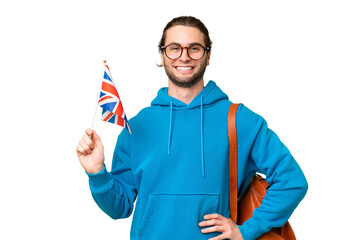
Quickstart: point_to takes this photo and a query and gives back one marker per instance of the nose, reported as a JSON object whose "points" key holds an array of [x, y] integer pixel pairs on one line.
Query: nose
{"points": [[184, 55]]}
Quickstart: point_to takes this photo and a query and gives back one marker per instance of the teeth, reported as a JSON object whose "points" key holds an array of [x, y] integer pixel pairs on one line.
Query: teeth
{"points": [[184, 68]]}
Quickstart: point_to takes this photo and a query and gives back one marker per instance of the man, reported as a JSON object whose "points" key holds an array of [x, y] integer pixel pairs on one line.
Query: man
{"points": [[176, 160]]}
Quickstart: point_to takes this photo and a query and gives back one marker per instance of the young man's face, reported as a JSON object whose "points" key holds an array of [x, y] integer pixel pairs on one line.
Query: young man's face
{"points": [[184, 71]]}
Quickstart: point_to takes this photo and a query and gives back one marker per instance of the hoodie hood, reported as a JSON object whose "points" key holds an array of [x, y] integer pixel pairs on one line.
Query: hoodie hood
{"points": [[208, 96]]}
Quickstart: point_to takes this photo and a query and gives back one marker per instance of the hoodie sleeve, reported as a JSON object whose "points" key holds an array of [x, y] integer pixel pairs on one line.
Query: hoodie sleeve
{"points": [[114, 192], [288, 185]]}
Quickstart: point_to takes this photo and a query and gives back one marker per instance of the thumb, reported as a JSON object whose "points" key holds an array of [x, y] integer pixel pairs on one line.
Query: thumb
{"points": [[92, 134], [95, 136]]}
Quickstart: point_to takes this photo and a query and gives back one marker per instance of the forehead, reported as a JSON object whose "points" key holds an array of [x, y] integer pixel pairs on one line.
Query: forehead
{"points": [[184, 35]]}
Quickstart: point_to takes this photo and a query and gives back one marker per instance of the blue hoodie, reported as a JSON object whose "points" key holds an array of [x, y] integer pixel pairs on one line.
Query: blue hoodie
{"points": [[176, 163]]}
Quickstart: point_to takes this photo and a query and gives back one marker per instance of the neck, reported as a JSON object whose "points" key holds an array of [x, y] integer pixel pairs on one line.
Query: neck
{"points": [[185, 95]]}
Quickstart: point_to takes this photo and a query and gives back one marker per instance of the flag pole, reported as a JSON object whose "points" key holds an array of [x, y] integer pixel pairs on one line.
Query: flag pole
{"points": [[97, 97]]}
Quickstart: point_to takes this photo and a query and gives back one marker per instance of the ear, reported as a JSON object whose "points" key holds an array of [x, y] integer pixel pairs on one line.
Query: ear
{"points": [[208, 59]]}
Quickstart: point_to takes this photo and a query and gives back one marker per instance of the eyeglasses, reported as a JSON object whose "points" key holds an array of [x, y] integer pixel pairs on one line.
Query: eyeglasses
{"points": [[195, 51]]}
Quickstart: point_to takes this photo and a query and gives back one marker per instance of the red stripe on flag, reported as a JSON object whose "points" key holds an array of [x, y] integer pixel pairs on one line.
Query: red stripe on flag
{"points": [[109, 88], [120, 121], [104, 98], [108, 116], [119, 109]]}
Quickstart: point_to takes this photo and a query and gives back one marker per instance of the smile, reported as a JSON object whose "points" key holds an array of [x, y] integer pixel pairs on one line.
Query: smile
{"points": [[184, 68]]}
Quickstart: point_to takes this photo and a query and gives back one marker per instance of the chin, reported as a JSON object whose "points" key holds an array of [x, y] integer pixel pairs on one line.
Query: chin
{"points": [[185, 83]]}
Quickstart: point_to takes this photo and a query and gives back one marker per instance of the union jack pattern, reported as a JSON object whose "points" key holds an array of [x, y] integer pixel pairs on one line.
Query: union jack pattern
{"points": [[110, 102]]}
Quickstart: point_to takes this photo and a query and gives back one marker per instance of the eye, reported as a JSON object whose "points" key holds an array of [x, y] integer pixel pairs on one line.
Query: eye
{"points": [[174, 48], [195, 48]]}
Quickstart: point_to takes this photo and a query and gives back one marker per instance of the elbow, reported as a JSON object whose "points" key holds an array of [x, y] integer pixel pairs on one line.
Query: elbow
{"points": [[303, 188], [120, 214], [115, 216]]}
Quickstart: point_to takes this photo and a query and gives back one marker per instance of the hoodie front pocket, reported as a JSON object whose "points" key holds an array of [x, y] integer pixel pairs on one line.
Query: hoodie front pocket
{"points": [[176, 216]]}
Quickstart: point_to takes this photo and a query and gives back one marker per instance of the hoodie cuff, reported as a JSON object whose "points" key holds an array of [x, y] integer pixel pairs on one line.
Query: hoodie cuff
{"points": [[245, 234], [100, 182], [250, 230]]}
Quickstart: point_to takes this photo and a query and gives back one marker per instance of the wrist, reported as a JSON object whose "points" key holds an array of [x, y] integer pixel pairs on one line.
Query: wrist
{"points": [[238, 234], [95, 169]]}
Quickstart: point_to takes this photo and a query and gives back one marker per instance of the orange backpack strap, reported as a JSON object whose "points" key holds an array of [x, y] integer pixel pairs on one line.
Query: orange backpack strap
{"points": [[233, 161]]}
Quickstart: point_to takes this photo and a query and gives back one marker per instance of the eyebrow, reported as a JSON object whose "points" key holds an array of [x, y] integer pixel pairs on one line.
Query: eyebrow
{"points": [[190, 44]]}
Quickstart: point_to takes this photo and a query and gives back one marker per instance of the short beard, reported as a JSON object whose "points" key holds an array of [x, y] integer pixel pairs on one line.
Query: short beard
{"points": [[188, 82]]}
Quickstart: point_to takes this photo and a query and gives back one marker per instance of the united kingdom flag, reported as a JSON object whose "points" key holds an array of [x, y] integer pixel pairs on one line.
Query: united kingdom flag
{"points": [[110, 102]]}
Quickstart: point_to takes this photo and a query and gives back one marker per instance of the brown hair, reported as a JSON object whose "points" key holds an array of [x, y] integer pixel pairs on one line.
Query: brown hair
{"points": [[190, 22]]}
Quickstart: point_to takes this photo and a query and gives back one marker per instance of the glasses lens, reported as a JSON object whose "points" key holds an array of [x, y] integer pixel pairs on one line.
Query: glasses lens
{"points": [[173, 51], [196, 51]]}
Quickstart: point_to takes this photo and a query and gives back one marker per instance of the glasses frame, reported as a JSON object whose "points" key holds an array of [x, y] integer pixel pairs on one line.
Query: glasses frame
{"points": [[163, 48]]}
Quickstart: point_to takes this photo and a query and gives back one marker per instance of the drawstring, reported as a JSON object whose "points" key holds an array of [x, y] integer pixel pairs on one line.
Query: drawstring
{"points": [[202, 139], [170, 123]]}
